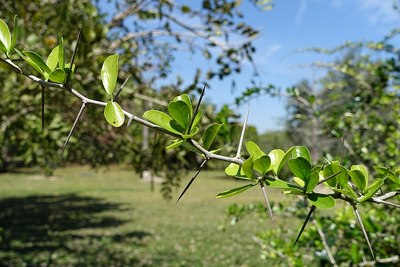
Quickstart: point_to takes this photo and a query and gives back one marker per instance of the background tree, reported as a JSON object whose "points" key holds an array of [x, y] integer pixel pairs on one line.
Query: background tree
{"points": [[353, 113], [148, 34]]}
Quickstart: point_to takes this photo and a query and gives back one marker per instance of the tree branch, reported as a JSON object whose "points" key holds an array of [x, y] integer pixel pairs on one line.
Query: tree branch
{"points": [[324, 243], [223, 45], [393, 260], [130, 116], [127, 12]]}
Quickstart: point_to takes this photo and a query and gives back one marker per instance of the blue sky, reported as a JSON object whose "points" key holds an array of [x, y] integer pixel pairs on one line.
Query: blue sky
{"points": [[292, 25]]}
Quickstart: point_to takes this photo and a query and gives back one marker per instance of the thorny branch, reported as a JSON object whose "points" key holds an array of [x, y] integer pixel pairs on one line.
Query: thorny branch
{"points": [[207, 154], [129, 115]]}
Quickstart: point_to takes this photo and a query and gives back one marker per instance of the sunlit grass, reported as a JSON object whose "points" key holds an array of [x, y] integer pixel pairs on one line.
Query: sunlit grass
{"points": [[111, 218]]}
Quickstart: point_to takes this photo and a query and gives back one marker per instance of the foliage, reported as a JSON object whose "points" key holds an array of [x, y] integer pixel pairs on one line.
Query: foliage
{"points": [[344, 116], [334, 234]]}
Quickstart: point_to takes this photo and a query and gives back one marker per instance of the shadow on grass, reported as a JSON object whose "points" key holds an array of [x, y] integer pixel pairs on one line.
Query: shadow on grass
{"points": [[64, 230]]}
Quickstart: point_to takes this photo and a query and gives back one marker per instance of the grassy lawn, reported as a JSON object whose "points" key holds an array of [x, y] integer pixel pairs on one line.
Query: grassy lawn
{"points": [[81, 217]]}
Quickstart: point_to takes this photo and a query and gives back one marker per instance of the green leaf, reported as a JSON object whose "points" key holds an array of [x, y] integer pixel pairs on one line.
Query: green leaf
{"points": [[285, 159], [161, 119], [342, 177], [69, 69], [190, 147], [109, 73], [30, 62], [301, 151], [371, 190], [235, 191], [321, 201], [185, 98], [300, 167], [57, 76], [312, 182], [61, 54], [15, 35], [280, 184], [52, 59], [5, 36], [361, 168], [235, 170], [197, 118], [299, 181], [175, 144], [316, 168], [180, 112], [247, 167], [358, 178], [276, 157], [350, 192], [3, 48], [192, 133], [209, 134], [38, 60], [113, 114], [254, 150], [261, 165], [387, 173], [215, 151]]}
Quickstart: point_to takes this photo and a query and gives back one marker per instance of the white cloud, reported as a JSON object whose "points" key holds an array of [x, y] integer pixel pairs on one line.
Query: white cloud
{"points": [[378, 11]]}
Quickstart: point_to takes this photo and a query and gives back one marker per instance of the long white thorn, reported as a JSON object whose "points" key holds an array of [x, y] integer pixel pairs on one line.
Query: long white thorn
{"points": [[243, 131]]}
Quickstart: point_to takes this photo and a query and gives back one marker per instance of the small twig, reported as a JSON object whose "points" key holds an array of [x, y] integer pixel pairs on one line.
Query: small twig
{"points": [[192, 179], [312, 209], [242, 134], [324, 243], [363, 230], [378, 201], [11, 64], [266, 200], [73, 127], [197, 107], [393, 260], [73, 57], [386, 196], [129, 121]]}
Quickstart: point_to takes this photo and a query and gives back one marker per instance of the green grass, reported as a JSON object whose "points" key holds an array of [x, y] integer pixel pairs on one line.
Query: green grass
{"points": [[111, 218]]}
